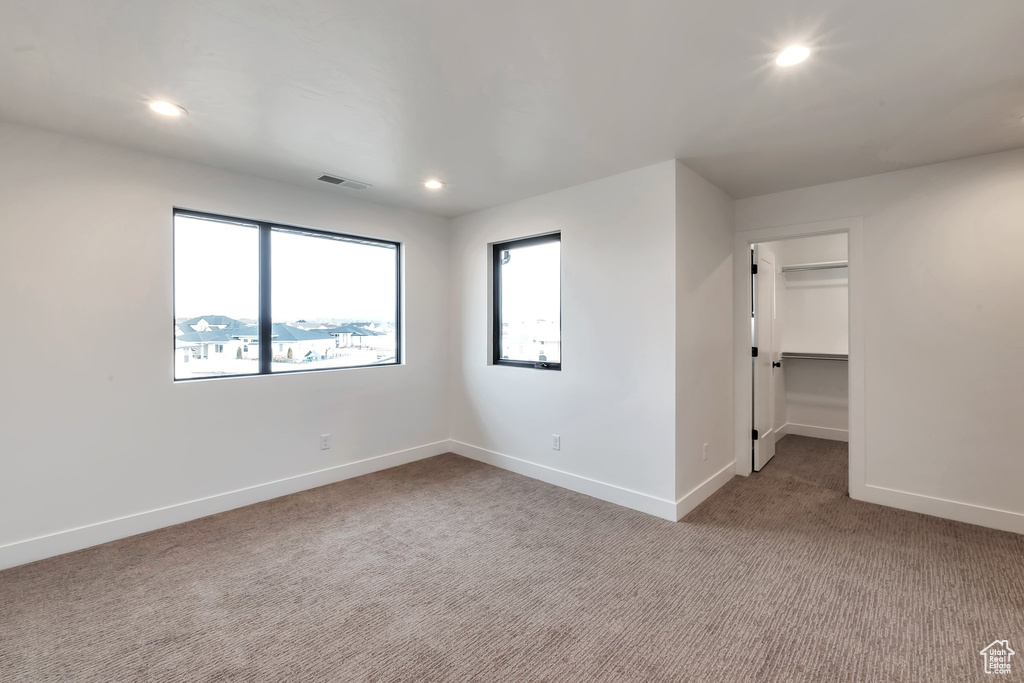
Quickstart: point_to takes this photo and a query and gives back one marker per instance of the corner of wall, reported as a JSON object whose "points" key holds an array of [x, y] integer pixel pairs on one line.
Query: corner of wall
{"points": [[616, 421], [452, 329], [705, 228]]}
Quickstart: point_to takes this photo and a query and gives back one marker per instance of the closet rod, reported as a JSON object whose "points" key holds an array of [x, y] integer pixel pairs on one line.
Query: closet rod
{"points": [[814, 266], [790, 355]]}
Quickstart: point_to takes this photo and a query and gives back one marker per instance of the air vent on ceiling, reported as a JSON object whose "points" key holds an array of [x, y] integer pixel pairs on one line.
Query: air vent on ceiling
{"points": [[344, 182]]}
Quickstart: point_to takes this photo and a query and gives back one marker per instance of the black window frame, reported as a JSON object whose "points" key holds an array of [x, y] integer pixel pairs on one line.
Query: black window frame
{"points": [[265, 321], [496, 249]]}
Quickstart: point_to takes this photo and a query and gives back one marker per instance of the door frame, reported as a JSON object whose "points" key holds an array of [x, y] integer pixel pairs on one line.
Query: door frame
{"points": [[742, 367]]}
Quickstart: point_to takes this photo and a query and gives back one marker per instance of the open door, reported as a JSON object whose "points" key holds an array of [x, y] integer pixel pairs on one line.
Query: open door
{"points": [[763, 334]]}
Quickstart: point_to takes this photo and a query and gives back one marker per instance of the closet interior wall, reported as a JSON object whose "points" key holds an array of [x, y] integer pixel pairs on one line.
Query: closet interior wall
{"points": [[812, 317]]}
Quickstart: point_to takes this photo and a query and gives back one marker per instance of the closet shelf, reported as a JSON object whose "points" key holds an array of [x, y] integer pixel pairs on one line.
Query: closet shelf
{"points": [[793, 355], [827, 265]]}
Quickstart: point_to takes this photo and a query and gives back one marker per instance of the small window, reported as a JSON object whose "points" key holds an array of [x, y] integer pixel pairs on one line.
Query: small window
{"points": [[528, 302]]}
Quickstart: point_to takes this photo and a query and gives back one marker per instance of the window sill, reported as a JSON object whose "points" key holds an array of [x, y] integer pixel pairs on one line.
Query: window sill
{"points": [[539, 365], [285, 373]]}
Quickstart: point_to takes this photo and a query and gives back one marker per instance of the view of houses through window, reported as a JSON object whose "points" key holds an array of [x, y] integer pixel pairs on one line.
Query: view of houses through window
{"points": [[333, 303]]}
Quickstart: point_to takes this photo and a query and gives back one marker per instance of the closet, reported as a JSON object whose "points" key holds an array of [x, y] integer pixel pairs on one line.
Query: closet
{"points": [[801, 325]]}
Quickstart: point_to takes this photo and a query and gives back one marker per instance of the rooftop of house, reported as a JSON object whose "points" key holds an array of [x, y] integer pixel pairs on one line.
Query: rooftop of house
{"points": [[214, 335], [214, 321], [224, 329]]}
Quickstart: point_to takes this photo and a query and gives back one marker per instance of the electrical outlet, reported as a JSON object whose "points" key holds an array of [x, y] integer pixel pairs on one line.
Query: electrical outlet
{"points": [[556, 442], [325, 442], [705, 451]]}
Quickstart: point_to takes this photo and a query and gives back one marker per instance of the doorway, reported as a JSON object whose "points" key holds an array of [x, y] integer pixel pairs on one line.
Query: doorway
{"points": [[799, 353]]}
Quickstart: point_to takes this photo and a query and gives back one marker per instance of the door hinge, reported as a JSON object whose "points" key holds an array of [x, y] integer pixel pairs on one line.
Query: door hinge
{"points": [[753, 352], [753, 269], [753, 434]]}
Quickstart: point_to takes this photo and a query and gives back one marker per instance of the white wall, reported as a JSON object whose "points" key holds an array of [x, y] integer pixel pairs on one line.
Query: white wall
{"points": [[942, 300], [816, 310], [812, 315], [816, 395], [704, 263], [613, 402], [96, 429], [646, 378]]}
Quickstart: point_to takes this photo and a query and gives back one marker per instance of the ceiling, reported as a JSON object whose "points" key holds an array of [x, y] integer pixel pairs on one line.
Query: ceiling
{"points": [[506, 100]]}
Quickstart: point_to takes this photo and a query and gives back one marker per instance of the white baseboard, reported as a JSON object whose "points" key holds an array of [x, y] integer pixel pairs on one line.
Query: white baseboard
{"points": [[993, 518], [829, 433], [41, 547], [703, 491], [659, 507]]}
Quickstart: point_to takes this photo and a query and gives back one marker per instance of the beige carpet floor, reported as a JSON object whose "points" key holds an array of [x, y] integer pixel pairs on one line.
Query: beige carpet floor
{"points": [[447, 569]]}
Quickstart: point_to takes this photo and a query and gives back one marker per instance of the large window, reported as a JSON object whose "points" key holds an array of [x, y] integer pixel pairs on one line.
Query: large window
{"points": [[259, 298], [527, 303]]}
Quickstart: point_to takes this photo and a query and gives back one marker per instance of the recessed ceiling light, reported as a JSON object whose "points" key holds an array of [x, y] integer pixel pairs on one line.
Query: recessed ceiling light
{"points": [[167, 108], [433, 184], [794, 54]]}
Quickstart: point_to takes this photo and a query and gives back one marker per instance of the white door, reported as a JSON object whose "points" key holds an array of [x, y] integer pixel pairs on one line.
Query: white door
{"points": [[763, 334]]}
